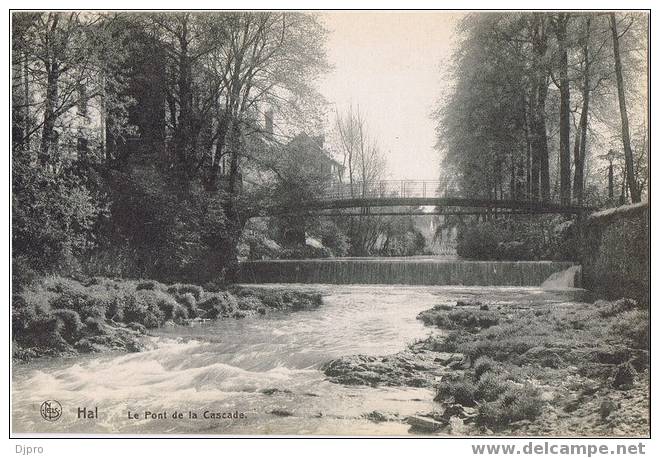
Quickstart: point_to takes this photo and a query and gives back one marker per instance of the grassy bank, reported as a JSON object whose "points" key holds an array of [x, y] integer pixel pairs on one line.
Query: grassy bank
{"points": [[565, 369], [58, 316], [537, 369]]}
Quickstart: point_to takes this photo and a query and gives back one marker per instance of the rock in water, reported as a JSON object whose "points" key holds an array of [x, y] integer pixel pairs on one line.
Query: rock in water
{"points": [[424, 423]]}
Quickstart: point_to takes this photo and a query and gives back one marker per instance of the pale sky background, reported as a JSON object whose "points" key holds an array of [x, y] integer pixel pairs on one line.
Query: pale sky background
{"points": [[393, 65]]}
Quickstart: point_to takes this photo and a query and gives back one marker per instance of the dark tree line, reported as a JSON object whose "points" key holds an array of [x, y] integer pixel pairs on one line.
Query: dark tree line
{"points": [[538, 101], [132, 131]]}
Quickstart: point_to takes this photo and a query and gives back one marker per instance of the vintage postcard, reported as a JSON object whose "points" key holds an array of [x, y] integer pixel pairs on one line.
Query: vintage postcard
{"points": [[330, 223]]}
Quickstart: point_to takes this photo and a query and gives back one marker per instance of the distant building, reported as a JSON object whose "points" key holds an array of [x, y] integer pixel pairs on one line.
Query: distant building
{"points": [[311, 150]]}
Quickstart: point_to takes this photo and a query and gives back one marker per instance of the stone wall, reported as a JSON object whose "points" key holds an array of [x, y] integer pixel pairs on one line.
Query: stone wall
{"points": [[615, 252]]}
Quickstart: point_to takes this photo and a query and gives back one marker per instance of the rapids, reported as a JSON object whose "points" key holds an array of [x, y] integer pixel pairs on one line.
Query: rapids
{"points": [[265, 368]]}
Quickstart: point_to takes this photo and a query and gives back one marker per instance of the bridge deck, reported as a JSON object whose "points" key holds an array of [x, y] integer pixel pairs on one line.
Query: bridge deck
{"points": [[412, 194]]}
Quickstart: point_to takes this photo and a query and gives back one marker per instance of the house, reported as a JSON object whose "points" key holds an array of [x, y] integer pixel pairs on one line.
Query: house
{"points": [[314, 156]]}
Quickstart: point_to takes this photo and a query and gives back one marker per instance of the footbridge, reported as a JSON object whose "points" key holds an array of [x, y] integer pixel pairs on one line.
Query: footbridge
{"points": [[406, 197]]}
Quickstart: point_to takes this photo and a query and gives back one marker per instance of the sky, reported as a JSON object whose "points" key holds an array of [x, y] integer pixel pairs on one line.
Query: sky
{"points": [[393, 65]]}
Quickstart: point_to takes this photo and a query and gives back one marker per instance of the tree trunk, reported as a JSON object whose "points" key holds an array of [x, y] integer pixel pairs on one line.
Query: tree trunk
{"points": [[542, 139], [535, 161], [625, 132], [564, 113], [580, 148], [233, 161], [48, 130], [540, 162], [183, 133], [216, 159], [528, 159], [26, 96]]}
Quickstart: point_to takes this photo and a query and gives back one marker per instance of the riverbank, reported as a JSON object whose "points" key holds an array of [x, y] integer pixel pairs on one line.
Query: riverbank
{"points": [[567, 369], [57, 316]]}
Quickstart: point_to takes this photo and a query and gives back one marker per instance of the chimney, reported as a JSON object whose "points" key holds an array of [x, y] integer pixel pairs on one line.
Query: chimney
{"points": [[268, 118]]}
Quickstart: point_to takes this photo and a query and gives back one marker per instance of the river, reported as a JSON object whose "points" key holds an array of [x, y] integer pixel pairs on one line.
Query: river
{"points": [[264, 369]]}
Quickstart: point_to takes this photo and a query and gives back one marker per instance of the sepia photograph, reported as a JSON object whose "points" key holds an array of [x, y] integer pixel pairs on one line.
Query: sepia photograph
{"points": [[330, 223]]}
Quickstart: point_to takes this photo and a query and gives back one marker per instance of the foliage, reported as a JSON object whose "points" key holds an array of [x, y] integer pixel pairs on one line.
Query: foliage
{"points": [[190, 304], [520, 238], [521, 77], [514, 405], [462, 318], [54, 215], [333, 237], [56, 314], [160, 114], [480, 241], [71, 325], [218, 305]]}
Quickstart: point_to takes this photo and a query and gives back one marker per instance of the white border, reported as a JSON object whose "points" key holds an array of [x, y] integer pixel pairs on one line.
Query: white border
{"points": [[279, 447]]}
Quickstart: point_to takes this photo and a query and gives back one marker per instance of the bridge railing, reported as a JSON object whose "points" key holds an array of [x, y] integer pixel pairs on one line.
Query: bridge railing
{"points": [[385, 189]]}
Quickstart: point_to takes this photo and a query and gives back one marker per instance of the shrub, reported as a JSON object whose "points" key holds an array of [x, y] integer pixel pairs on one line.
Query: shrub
{"points": [[334, 238], [179, 313], [23, 313], [150, 285], [301, 301], [461, 318], [188, 301], [162, 301], [473, 318], [71, 325], [283, 300], [249, 303], [54, 213], [143, 307], [633, 326], [479, 241], [522, 403], [44, 332], [490, 386], [462, 391], [624, 376], [80, 302], [179, 288], [608, 309], [95, 326], [115, 308], [218, 304], [22, 273], [517, 403], [482, 365], [515, 238]]}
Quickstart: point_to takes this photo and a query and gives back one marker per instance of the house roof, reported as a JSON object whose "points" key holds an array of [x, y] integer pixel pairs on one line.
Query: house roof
{"points": [[313, 145]]}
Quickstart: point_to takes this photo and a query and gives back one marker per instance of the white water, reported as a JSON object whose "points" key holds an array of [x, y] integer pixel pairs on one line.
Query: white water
{"points": [[564, 279], [222, 367]]}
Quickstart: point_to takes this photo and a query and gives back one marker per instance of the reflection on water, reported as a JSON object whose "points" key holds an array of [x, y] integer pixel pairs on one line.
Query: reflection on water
{"points": [[265, 368]]}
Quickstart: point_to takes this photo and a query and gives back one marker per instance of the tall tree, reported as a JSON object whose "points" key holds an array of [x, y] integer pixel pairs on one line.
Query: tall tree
{"points": [[625, 130], [539, 92], [560, 22], [580, 147]]}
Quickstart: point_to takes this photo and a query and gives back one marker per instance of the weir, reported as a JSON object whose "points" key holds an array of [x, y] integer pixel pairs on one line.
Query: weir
{"points": [[404, 271]]}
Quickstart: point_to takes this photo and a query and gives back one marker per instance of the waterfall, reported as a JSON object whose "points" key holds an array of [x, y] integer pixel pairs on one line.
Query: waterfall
{"points": [[411, 271], [569, 278]]}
